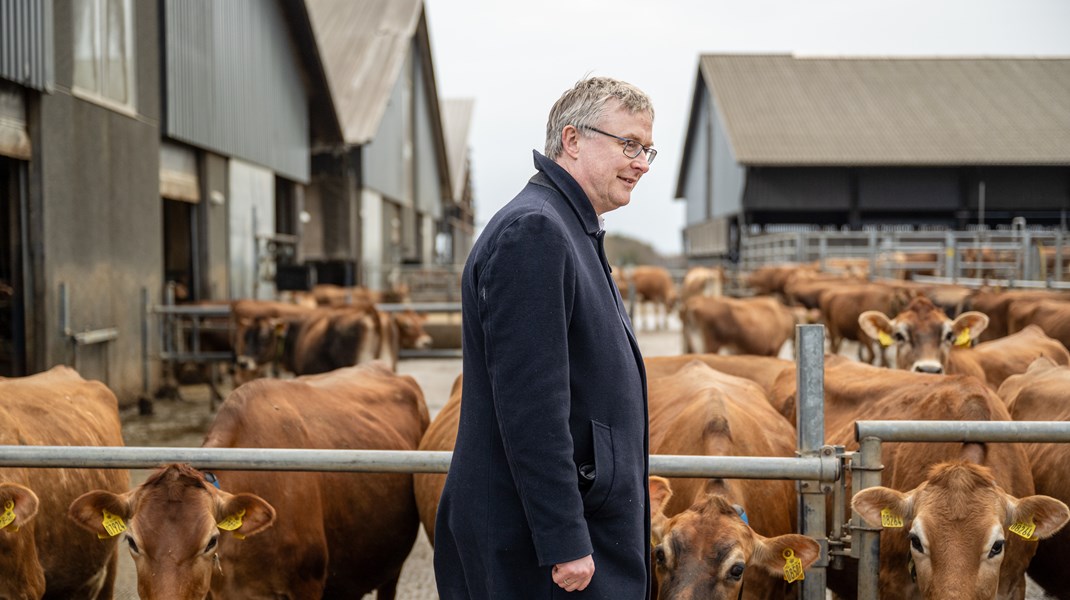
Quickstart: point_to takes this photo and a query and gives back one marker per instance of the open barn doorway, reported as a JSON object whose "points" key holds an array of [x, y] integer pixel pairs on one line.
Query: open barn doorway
{"points": [[12, 283]]}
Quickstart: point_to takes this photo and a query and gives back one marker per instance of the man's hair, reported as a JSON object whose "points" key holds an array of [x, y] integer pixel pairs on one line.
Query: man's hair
{"points": [[584, 104]]}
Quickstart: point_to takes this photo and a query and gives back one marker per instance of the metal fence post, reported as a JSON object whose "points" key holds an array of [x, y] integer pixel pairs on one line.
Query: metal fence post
{"points": [[867, 537], [810, 423]]}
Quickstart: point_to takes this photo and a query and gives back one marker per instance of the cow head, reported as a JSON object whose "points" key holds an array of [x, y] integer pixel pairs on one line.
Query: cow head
{"points": [[259, 342], [922, 334], [964, 532], [21, 574], [172, 525], [411, 330], [708, 550]]}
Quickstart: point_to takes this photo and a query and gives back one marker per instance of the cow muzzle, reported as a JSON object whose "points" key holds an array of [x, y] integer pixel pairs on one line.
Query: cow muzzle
{"points": [[928, 366], [246, 363]]}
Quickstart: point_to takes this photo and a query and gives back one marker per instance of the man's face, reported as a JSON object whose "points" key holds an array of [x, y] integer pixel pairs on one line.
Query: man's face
{"points": [[601, 168]]}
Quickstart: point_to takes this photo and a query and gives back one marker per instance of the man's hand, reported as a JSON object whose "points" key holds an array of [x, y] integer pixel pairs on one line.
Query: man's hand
{"points": [[574, 575]]}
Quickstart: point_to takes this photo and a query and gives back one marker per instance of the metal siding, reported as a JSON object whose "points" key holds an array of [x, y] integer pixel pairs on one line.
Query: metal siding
{"points": [[797, 189], [695, 186], [728, 175], [234, 84], [908, 189], [26, 43], [428, 182], [385, 170]]}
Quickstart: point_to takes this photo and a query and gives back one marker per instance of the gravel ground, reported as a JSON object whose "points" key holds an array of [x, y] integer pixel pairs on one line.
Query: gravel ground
{"points": [[183, 423]]}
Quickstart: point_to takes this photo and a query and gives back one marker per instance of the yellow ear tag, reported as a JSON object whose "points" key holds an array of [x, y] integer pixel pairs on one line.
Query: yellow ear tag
{"points": [[1025, 530], [964, 337], [232, 522], [890, 519], [884, 339], [113, 524], [793, 569], [9, 515]]}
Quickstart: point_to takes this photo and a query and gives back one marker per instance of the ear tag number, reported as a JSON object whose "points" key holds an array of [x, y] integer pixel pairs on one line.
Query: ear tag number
{"points": [[890, 519], [884, 339], [793, 569], [113, 524], [9, 515], [1025, 530], [964, 337], [232, 522]]}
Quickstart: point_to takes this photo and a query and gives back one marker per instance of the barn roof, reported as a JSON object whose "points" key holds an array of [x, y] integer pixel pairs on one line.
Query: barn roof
{"points": [[364, 45], [457, 120], [810, 111]]}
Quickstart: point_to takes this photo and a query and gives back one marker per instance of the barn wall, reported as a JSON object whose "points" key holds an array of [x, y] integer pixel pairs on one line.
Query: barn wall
{"points": [[797, 189], [95, 222]]}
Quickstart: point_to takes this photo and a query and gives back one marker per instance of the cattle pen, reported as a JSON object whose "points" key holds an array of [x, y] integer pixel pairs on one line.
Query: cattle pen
{"points": [[819, 468]]}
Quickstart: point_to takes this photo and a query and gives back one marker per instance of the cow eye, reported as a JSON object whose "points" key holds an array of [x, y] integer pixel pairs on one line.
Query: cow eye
{"points": [[659, 555], [736, 572], [211, 544], [130, 543], [915, 543], [899, 337], [997, 549]]}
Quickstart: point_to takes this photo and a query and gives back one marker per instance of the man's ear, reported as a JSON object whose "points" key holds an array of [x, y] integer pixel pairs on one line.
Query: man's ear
{"points": [[570, 141]]}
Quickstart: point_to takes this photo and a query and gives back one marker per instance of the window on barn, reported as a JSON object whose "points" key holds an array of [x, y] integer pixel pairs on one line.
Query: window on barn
{"points": [[103, 51]]}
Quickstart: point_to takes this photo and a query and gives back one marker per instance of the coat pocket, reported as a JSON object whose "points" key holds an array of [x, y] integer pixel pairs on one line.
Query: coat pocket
{"points": [[597, 478]]}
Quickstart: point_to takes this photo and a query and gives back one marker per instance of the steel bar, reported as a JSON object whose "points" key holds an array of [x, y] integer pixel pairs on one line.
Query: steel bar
{"points": [[810, 423], [420, 307], [964, 431], [867, 537], [379, 461]]}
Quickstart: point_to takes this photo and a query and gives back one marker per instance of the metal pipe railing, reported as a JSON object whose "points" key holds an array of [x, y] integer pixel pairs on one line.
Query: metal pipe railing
{"points": [[810, 425], [379, 461]]}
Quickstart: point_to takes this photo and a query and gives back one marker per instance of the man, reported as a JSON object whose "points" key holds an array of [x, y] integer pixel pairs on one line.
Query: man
{"points": [[548, 486]]}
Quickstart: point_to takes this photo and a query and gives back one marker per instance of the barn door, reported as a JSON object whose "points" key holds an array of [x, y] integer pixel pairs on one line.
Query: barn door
{"points": [[181, 193], [12, 287]]}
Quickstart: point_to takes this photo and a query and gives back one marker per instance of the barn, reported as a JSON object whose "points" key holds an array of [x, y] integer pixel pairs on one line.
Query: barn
{"points": [[776, 141], [208, 148]]}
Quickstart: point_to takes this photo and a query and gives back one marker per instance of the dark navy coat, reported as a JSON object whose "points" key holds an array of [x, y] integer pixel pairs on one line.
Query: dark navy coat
{"points": [[550, 463]]}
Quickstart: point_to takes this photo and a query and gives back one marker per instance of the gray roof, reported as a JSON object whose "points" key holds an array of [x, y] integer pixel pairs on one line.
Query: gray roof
{"points": [[363, 44], [457, 120], [785, 110]]}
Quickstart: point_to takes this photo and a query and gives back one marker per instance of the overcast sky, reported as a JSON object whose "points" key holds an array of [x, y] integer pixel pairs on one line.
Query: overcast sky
{"points": [[516, 58]]}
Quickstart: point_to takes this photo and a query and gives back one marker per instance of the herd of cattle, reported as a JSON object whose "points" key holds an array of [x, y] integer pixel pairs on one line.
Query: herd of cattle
{"points": [[958, 520]]}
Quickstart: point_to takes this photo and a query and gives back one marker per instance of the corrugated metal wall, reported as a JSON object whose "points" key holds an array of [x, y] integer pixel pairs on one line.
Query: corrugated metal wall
{"points": [[26, 42], [233, 83]]}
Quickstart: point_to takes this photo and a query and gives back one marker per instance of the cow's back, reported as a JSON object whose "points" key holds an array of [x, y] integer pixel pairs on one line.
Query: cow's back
{"points": [[59, 408], [363, 524], [441, 435]]}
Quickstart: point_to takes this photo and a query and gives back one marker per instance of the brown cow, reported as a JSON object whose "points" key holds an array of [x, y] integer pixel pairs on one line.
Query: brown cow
{"points": [[713, 527], [702, 281], [700, 411], [841, 306], [928, 341], [757, 325], [995, 304], [440, 435], [43, 554], [1040, 394], [762, 370], [771, 279], [653, 287], [335, 535], [957, 539], [1050, 314]]}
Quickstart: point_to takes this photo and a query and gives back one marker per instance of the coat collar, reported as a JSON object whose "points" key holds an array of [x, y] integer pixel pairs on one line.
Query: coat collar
{"points": [[551, 173]]}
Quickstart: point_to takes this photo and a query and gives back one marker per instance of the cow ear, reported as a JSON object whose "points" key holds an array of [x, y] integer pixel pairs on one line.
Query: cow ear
{"points": [[875, 323], [18, 506], [884, 507], [88, 510], [244, 514], [660, 493], [772, 554], [967, 326], [1045, 513]]}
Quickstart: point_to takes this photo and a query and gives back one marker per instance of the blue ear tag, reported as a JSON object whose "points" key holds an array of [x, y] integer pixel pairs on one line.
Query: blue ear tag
{"points": [[742, 513], [212, 479]]}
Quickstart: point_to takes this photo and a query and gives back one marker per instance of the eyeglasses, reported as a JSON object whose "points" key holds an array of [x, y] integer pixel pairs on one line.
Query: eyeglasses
{"points": [[632, 148]]}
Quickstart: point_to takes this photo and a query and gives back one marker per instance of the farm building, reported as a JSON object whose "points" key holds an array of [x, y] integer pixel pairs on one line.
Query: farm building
{"points": [[207, 145], [853, 143]]}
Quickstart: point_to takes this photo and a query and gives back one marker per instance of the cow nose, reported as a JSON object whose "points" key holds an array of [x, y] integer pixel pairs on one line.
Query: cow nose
{"points": [[933, 368], [246, 363]]}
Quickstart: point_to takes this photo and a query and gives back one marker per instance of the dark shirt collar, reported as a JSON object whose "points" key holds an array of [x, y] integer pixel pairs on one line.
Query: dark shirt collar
{"points": [[570, 189]]}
